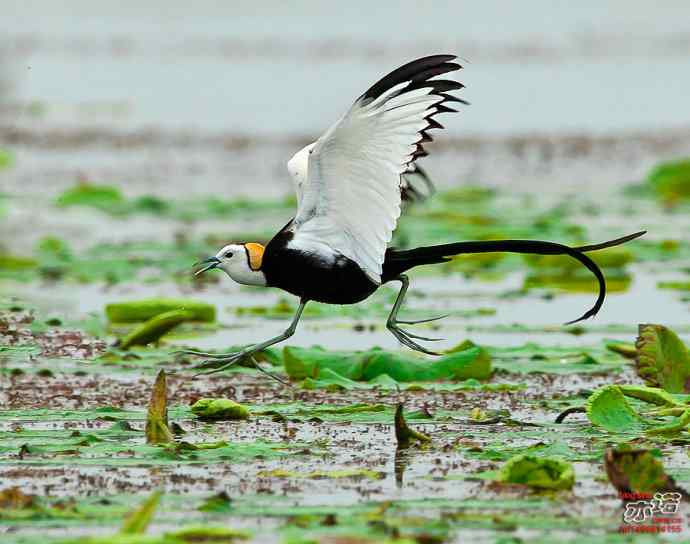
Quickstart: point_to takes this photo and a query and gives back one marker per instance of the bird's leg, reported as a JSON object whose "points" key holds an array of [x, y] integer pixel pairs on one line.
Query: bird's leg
{"points": [[221, 362], [405, 337]]}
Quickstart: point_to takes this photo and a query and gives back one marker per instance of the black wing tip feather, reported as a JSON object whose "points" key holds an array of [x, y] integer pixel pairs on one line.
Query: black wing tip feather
{"points": [[417, 70], [419, 73], [410, 192]]}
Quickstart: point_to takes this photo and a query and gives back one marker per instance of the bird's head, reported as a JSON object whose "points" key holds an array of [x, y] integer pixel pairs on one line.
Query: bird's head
{"points": [[242, 262]]}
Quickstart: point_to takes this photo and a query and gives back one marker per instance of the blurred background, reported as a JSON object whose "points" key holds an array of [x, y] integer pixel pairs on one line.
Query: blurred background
{"points": [[139, 137], [173, 96], [175, 101]]}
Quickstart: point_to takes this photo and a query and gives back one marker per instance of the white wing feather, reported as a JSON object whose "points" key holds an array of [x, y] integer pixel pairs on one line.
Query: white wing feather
{"points": [[298, 167], [349, 189]]}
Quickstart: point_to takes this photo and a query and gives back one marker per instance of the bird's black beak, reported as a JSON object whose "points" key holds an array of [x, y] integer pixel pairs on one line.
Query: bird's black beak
{"points": [[211, 263]]}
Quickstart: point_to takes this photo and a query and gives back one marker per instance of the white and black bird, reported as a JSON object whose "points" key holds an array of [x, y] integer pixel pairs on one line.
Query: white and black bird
{"points": [[350, 184]]}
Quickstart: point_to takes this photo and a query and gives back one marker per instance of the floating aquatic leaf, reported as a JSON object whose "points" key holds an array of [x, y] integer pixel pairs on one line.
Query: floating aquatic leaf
{"points": [[629, 351], [663, 359], [637, 471], [188, 446], [12, 262], [332, 381], [143, 310], [185, 535], [110, 200], [219, 409], [671, 180], [103, 197], [354, 473], [300, 363], [652, 395], [551, 446], [138, 521], [613, 257], [403, 433], [157, 428], [578, 281], [538, 472], [220, 502], [6, 159], [675, 285], [208, 535], [153, 329], [532, 358], [607, 408], [678, 424]]}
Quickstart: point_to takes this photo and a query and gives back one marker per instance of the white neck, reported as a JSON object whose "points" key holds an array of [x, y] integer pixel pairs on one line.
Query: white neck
{"points": [[245, 275]]}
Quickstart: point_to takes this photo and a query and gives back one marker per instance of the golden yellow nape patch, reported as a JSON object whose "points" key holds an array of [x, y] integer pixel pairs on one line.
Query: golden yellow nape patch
{"points": [[255, 255]]}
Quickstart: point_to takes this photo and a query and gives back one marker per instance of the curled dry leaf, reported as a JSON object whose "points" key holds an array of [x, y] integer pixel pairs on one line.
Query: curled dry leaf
{"points": [[14, 498], [637, 471], [142, 310], [157, 429], [154, 328]]}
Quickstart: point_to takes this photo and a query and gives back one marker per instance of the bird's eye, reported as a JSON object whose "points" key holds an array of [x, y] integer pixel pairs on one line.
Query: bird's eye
{"points": [[228, 254]]}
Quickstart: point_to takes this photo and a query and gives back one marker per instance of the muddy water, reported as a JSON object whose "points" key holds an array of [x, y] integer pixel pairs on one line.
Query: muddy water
{"points": [[157, 98], [454, 296]]}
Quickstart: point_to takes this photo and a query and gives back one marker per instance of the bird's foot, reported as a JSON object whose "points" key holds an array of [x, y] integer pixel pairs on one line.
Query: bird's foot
{"points": [[220, 362], [405, 337]]}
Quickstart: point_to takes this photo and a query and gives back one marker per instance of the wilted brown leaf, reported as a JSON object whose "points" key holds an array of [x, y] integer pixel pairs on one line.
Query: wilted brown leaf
{"points": [[13, 498], [637, 471], [157, 429]]}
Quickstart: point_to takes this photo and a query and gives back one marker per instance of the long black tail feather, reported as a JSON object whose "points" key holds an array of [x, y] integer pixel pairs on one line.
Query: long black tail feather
{"points": [[398, 261]]}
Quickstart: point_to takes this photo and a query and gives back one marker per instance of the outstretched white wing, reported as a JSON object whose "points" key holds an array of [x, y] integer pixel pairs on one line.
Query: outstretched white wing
{"points": [[415, 184], [298, 167], [350, 201]]}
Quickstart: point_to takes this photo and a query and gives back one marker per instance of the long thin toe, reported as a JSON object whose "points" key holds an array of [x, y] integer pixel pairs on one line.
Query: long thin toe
{"points": [[416, 347], [207, 364], [270, 374], [426, 338], [212, 371], [218, 356], [417, 321], [216, 365], [188, 352], [195, 353], [403, 338]]}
